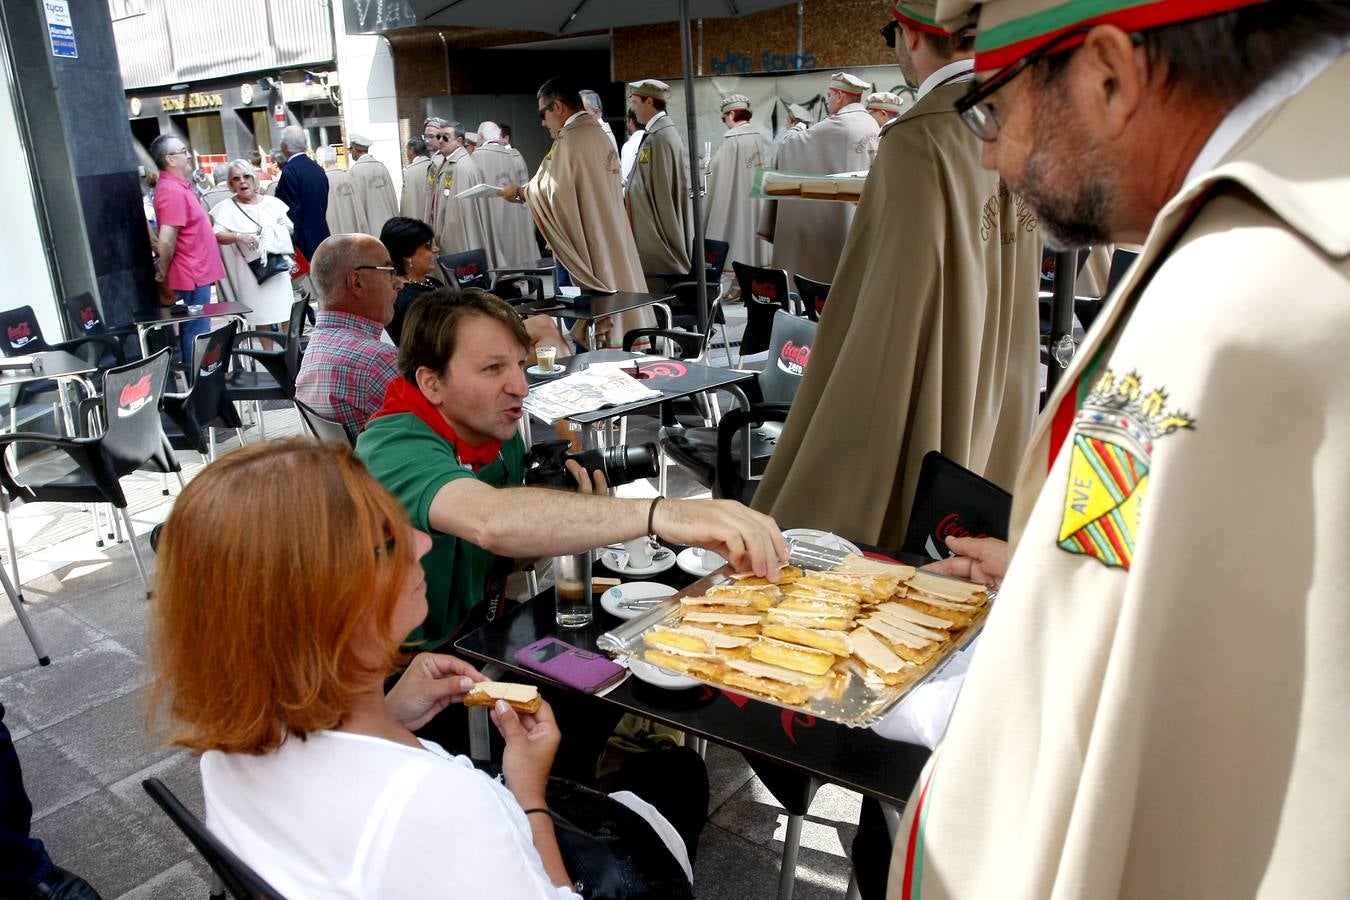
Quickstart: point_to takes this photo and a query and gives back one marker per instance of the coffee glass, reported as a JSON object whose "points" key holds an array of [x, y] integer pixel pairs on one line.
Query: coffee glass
{"points": [[572, 589], [545, 355]]}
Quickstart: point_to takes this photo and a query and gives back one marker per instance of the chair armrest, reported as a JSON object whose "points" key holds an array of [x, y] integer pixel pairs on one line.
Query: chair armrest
{"points": [[728, 477], [280, 337], [109, 344], [72, 446], [534, 281], [691, 342]]}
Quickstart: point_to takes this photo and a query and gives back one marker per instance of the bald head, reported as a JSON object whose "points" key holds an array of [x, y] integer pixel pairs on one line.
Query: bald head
{"points": [[348, 271], [294, 140]]}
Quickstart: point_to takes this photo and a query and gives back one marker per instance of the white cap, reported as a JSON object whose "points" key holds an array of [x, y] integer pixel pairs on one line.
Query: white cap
{"points": [[849, 84], [650, 87], [885, 100]]}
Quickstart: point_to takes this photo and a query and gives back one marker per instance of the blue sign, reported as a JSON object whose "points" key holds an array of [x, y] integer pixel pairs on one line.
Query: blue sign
{"points": [[59, 29]]}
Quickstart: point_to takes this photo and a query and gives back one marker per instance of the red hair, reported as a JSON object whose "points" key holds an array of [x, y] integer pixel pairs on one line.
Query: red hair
{"points": [[273, 564]]}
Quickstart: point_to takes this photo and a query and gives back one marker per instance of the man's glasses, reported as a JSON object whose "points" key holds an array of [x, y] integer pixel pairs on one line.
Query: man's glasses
{"points": [[974, 107], [388, 270], [183, 152], [545, 110], [888, 32], [431, 137]]}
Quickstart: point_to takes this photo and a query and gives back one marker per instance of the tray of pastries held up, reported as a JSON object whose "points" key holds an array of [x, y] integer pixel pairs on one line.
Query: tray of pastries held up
{"points": [[842, 638]]}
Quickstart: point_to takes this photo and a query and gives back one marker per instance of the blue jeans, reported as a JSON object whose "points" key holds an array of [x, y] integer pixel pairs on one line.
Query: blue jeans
{"points": [[23, 861], [188, 331]]}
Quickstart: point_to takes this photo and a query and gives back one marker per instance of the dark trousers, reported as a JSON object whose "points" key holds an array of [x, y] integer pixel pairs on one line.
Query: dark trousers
{"points": [[188, 331], [872, 851], [23, 861]]}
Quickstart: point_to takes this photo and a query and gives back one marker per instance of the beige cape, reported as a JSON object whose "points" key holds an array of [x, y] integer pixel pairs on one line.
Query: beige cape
{"points": [[575, 199], [509, 233], [413, 201], [809, 235], [345, 215], [657, 198], [447, 210], [1173, 721], [928, 340], [374, 192], [730, 213]]}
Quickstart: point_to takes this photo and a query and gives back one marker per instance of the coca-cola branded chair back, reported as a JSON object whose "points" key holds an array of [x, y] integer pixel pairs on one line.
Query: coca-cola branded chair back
{"points": [[952, 501], [764, 292], [813, 294]]}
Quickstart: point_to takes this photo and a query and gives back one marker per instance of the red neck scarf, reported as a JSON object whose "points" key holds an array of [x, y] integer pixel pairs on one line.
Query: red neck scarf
{"points": [[403, 397]]}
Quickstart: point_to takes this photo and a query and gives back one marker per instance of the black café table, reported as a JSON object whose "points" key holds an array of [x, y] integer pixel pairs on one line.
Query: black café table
{"points": [[674, 378], [164, 317], [590, 308], [793, 753]]}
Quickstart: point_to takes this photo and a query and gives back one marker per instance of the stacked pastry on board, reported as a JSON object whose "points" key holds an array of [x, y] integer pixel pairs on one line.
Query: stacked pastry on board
{"points": [[807, 635]]}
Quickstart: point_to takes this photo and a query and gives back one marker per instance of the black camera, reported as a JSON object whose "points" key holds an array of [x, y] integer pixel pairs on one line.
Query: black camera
{"points": [[544, 464]]}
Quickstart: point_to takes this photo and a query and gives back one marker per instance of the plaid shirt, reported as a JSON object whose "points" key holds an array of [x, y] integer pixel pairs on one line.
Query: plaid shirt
{"points": [[346, 369]]}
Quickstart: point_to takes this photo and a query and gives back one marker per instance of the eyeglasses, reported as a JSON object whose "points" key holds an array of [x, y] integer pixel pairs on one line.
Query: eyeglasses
{"points": [[388, 270], [974, 107], [431, 137], [183, 152], [888, 32], [546, 109]]}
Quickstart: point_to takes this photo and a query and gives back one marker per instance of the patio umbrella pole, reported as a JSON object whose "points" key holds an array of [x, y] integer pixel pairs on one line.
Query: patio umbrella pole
{"points": [[698, 267], [1061, 316]]}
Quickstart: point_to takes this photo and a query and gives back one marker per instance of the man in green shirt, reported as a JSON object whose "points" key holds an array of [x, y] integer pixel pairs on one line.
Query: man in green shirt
{"points": [[446, 444]]}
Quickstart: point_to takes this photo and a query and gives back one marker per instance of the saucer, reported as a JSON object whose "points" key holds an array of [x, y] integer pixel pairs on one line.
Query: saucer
{"points": [[826, 539], [633, 590], [535, 370], [612, 559], [661, 678], [690, 561]]}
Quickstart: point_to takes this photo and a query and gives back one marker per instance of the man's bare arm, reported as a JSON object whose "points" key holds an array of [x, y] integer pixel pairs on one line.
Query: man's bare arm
{"points": [[534, 521], [168, 245]]}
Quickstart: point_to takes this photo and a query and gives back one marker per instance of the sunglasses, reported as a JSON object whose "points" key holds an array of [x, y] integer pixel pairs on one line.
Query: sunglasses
{"points": [[888, 32], [545, 110]]}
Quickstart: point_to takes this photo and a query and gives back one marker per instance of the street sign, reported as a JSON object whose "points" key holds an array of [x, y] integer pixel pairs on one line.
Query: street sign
{"points": [[59, 29]]}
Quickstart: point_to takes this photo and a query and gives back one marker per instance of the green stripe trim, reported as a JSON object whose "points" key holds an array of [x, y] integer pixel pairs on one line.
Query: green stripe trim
{"points": [[917, 17], [1051, 20]]}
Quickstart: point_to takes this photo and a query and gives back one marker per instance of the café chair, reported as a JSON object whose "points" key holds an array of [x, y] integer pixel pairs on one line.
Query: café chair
{"points": [[191, 418], [87, 321], [764, 292], [231, 872], [325, 431], [470, 269], [94, 466], [813, 294], [716, 456], [281, 366], [21, 335]]}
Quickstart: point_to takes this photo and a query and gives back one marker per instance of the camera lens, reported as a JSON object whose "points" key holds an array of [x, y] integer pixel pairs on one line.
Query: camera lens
{"points": [[624, 464]]}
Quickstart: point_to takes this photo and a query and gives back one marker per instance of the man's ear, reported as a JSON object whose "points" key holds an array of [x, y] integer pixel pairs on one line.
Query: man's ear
{"points": [[1112, 73], [429, 383]]}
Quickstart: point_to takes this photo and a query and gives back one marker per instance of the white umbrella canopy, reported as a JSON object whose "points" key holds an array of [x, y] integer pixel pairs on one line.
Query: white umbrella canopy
{"points": [[570, 16]]}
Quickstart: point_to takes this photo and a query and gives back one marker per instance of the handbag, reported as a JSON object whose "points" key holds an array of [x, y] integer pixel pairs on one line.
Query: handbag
{"points": [[268, 264]]}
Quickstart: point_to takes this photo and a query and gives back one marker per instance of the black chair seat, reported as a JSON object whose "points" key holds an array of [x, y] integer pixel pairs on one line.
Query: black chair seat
{"points": [[696, 449], [253, 386]]}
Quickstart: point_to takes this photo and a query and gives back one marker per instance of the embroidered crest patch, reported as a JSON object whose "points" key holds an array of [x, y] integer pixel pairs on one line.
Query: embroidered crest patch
{"points": [[645, 155], [1112, 452]]}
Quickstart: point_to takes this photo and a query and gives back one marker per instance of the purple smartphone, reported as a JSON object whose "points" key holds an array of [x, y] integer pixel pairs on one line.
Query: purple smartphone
{"points": [[580, 669]]}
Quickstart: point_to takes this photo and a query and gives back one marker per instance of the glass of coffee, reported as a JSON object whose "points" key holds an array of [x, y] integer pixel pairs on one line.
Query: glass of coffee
{"points": [[572, 588], [545, 354]]}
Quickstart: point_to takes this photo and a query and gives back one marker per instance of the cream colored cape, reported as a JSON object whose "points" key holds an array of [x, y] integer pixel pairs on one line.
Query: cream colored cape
{"points": [[374, 192], [472, 211], [809, 235], [730, 213], [345, 215], [575, 200], [413, 201], [447, 209], [509, 232], [928, 340], [657, 197], [1160, 703]]}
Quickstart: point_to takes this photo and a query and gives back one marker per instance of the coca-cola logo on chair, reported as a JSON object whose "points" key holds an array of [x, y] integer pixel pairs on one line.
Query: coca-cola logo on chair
{"points": [[20, 334], [764, 291], [89, 318], [466, 272], [793, 358], [133, 397], [211, 360]]}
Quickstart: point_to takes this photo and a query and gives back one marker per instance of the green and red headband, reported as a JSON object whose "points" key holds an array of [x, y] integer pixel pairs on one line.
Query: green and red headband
{"points": [[918, 17]]}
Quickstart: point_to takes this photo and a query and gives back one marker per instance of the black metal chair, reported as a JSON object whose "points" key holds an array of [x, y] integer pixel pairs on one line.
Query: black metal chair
{"points": [[20, 335], [716, 457], [93, 466], [234, 874], [813, 294], [86, 320], [764, 291], [190, 418], [684, 286], [470, 269], [281, 366], [325, 431]]}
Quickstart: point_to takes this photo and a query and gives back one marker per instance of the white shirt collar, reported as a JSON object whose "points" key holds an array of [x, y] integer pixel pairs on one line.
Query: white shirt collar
{"points": [[952, 73], [574, 116], [652, 120], [1274, 91]]}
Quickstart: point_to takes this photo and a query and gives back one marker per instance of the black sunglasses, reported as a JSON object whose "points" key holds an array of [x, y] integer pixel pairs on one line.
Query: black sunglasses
{"points": [[888, 32], [543, 111]]}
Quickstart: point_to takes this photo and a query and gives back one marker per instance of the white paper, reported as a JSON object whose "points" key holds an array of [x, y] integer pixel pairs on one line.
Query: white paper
{"points": [[583, 392], [479, 190]]}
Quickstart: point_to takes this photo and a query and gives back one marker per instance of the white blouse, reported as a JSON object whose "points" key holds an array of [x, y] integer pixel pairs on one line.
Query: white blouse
{"points": [[343, 815]]}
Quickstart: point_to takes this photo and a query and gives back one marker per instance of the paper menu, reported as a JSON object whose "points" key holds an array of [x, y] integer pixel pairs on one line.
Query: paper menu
{"points": [[585, 391]]}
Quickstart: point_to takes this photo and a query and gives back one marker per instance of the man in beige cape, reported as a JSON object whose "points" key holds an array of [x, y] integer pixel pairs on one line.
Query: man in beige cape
{"points": [[456, 173], [657, 193], [730, 213], [1158, 705], [374, 188], [808, 235], [575, 200], [509, 232], [345, 215], [929, 339], [412, 202]]}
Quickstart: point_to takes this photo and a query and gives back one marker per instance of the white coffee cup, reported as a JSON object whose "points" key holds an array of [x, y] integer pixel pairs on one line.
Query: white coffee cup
{"points": [[640, 552]]}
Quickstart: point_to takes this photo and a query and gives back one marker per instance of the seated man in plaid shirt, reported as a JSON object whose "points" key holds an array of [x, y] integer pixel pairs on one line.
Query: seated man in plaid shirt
{"points": [[347, 367]]}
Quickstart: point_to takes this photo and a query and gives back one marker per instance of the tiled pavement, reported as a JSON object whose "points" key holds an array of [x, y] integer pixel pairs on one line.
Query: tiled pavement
{"points": [[80, 731]]}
